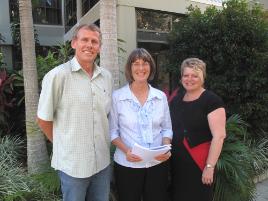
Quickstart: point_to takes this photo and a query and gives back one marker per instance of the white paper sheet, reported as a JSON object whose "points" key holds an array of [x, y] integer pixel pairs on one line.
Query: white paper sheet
{"points": [[148, 154]]}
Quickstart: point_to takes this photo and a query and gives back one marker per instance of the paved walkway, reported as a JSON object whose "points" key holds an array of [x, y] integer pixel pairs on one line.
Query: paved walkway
{"points": [[262, 191]]}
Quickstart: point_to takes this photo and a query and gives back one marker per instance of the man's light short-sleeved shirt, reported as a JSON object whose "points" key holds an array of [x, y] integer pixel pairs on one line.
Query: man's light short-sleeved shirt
{"points": [[78, 106]]}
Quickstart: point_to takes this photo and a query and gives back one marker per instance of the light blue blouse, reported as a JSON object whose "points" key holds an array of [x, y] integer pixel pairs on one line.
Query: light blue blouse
{"points": [[134, 123]]}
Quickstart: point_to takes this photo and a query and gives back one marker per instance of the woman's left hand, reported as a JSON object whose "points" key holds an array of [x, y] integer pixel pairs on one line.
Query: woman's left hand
{"points": [[163, 157], [207, 176]]}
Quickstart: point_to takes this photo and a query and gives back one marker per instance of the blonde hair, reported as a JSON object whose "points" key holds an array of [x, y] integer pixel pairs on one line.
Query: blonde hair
{"points": [[197, 65]]}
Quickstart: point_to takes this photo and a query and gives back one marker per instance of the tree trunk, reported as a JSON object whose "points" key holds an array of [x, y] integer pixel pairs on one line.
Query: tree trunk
{"points": [[109, 50], [37, 156]]}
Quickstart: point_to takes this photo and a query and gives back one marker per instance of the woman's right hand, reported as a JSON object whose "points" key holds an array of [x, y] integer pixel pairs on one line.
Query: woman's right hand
{"points": [[132, 157]]}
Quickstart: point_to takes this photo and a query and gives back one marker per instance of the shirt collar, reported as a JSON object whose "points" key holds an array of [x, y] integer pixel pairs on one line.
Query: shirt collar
{"points": [[127, 94], [76, 67]]}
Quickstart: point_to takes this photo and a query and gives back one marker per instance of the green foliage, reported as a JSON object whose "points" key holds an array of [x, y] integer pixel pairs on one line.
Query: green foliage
{"points": [[1, 59], [11, 96], [45, 64], [6, 99], [16, 37], [1, 38], [60, 55], [234, 44], [241, 160], [15, 183], [49, 181], [1, 54], [11, 149], [13, 178], [64, 52]]}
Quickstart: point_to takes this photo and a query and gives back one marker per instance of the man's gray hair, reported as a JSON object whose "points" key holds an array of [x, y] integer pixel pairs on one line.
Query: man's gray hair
{"points": [[91, 27]]}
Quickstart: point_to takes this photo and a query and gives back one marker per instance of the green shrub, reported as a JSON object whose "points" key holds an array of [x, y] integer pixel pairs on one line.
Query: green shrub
{"points": [[233, 42], [16, 184], [49, 180], [11, 97], [241, 160]]}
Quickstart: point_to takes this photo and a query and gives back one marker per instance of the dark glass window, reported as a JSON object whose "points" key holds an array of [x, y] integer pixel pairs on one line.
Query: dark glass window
{"points": [[151, 20], [14, 10], [47, 12], [87, 5], [70, 14], [44, 11]]}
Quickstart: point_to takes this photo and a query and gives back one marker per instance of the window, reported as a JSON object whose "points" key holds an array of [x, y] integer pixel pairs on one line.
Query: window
{"points": [[211, 2], [70, 14], [87, 5], [47, 12], [14, 10], [149, 20]]}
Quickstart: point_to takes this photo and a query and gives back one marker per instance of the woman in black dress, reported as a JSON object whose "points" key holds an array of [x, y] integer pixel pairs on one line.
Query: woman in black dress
{"points": [[198, 122]]}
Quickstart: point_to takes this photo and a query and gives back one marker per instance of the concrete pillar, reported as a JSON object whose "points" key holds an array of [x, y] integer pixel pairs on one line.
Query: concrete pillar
{"points": [[78, 9], [126, 31]]}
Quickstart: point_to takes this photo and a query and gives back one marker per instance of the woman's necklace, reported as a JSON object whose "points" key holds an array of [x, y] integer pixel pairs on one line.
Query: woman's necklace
{"points": [[193, 96]]}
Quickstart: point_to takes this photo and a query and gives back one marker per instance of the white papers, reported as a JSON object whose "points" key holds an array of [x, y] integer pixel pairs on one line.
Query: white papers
{"points": [[148, 154]]}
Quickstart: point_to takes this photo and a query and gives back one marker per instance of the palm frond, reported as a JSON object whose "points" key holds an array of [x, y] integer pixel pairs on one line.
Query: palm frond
{"points": [[235, 167]]}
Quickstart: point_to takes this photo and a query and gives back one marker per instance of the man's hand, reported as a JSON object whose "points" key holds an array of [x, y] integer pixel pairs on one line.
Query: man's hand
{"points": [[46, 127]]}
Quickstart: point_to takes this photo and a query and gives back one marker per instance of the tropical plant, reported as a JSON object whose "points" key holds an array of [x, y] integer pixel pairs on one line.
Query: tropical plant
{"points": [[233, 41], [12, 117], [59, 55], [6, 99], [17, 50], [15, 183], [12, 176], [1, 59], [45, 64], [37, 156], [1, 38], [64, 52], [241, 160]]}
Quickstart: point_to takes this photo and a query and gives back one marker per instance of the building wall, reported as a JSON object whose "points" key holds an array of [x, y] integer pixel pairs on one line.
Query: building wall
{"points": [[126, 21], [5, 22], [264, 3], [176, 6], [126, 31], [48, 35]]}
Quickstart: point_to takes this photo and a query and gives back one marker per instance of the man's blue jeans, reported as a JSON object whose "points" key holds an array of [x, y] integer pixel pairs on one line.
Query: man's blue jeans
{"points": [[94, 188]]}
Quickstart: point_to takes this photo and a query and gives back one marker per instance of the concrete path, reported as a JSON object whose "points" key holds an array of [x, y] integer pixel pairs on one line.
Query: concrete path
{"points": [[262, 191]]}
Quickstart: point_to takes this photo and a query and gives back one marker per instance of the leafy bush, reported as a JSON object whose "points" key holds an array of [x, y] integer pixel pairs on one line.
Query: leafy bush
{"points": [[11, 97], [15, 183], [6, 99], [233, 42], [241, 160], [45, 64]]}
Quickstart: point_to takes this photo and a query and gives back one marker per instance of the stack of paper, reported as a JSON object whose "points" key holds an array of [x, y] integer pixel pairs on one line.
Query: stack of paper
{"points": [[148, 154]]}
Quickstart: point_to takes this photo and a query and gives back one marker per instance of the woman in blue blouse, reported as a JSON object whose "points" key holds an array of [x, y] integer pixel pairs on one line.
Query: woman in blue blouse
{"points": [[140, 114]]}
